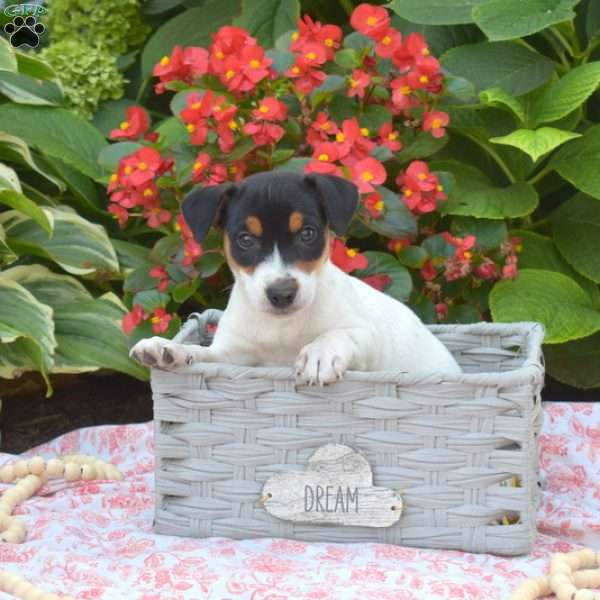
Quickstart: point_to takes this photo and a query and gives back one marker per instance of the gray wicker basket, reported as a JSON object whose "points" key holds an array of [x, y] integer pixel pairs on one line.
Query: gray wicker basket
{"points": [[450, 443]]}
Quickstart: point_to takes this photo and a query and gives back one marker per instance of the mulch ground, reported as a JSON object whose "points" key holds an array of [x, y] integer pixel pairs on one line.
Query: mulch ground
{"points": [[28, 418]]}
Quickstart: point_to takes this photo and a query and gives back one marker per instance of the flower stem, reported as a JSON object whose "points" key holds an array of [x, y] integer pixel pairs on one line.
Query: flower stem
{"points": [[539, 175], [503, 166]]}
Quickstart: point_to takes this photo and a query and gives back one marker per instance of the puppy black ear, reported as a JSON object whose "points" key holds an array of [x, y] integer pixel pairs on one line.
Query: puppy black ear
{"points": [[204, 206], [338, 196]]}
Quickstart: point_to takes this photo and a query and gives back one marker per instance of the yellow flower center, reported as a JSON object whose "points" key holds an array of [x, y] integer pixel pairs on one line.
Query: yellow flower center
{"points": [[128, 169], [353, 83], [325, 125], [364, 131], [233, 170], [372, 21], [421, 177], [386, 40], [379, 206], [230, 74], [425, 52], [219, 55], [436, 123], [254, 63], [164, 61], [467, 255], [148, 192], [392, 135], [295, 36], [519, 247], [232, 125], [405, 90], [190, 127], [154, 320], [407, 192], [324, 157], [264, 109], [196, 105], [311, 56], [177, 227], [114, 177], [340, 137], [351, 252], [124, 125], [439, 188], [329, 42], [198, 165], [295, 70], [367, 176], [423, 79]]}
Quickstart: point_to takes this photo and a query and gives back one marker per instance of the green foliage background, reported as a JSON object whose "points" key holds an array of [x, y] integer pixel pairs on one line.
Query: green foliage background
{"points": [[524, 155]]}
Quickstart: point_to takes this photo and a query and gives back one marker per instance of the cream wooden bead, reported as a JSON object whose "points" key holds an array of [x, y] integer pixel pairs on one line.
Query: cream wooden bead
{"points": [[586, 557], [34, 594], [565, 591], [50, 597], [88, 472], [11, 537], [22, 588], [9, 582], [37, 465], [72, 471], [55, 468], [7, 474], [584, 595], [5, 508], [21, 468]]}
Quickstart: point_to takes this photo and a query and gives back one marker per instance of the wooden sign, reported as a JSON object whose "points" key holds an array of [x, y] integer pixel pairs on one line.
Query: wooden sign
{"points": [[336, 488]]}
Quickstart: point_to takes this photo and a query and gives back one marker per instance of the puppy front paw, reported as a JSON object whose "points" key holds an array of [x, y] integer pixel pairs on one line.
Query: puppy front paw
{"points": [[318, 363], [161, 353]]}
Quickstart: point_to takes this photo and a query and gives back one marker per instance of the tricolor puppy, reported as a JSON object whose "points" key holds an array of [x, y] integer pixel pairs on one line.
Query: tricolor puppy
{"points": [[290, 305]]}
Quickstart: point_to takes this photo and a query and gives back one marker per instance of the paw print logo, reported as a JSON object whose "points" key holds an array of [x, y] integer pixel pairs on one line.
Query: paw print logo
{"points": [[24, 32]]}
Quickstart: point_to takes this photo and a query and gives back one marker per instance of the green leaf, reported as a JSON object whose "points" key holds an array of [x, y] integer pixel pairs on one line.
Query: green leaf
{"points": [[568, 93], [150, 300], [498, 98], [282, 59], [575, 363], [435, 12], [185, 290], [550, 298], [413, 257], [509, 19], [333, 83], [15, 149], [190, 28], [8, 60], [422, 146], [111, 154], [577, 162], [267, 20], [490, 233], [172, 131], [78, 246], [28, 330], [459, 88], [511, 67], [156, 7], [347, 59], [139, 279], [536, 143], [131, 256], [576, 229], [462, 313], [295, 165], [55, 132], [29, 64], [25, 90], [374, 117], [27, 207], [475, 195], [592, 20], [382, 263], [397, 220], [540, 252], [209, 263], [9, 180], [110, 114]]}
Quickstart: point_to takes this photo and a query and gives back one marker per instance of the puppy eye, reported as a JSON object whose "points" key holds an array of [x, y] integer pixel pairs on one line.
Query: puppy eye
{"points": [[245, 240], [308, 234]]}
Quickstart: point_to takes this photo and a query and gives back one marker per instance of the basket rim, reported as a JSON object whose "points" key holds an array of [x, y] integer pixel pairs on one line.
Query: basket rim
{"points": [[530, 372]]}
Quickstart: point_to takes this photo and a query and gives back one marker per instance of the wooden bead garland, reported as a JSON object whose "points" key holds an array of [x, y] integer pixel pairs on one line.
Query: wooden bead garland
{"points": [[32, 474], [571, 577]]}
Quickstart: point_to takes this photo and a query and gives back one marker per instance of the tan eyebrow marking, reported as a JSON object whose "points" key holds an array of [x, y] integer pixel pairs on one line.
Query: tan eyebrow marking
{"points": [[254, 226], [296, 221]]}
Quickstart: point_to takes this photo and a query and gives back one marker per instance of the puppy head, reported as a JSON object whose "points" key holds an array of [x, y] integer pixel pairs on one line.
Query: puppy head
{"points": [[276, 232]]}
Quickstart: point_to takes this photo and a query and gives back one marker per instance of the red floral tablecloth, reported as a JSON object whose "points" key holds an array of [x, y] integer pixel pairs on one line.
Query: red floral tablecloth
{"points": [[95, 540]]}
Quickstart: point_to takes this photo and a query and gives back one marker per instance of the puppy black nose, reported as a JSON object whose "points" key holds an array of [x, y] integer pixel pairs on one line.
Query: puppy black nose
{"points": [[282, 293]]}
